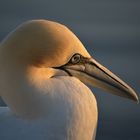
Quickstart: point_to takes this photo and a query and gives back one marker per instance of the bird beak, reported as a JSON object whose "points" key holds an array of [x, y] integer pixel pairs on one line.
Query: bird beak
{"points": [[93, 73]]}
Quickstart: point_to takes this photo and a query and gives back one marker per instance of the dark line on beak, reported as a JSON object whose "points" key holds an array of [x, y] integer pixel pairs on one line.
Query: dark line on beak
{"points": [[66, 71], [107, 74], [61, 68], [113, 85]]}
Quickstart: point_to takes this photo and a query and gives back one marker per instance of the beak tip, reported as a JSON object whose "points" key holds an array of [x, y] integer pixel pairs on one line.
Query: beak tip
{"points": [[136, 98], [132, 95]]}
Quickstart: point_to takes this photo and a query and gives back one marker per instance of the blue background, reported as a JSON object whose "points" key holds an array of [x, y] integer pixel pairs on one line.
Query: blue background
{"points": [[110, 30]]}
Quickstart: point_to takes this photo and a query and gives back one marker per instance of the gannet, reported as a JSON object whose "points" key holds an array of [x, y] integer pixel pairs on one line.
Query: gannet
{"points": [[43, 71]]}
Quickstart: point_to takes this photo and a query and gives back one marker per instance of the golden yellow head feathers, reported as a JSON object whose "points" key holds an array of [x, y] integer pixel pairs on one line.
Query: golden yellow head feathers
{"points": [[37, 42]]}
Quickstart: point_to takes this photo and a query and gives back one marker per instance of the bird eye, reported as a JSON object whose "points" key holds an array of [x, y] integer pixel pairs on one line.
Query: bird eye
{"points": [[76, 58]]}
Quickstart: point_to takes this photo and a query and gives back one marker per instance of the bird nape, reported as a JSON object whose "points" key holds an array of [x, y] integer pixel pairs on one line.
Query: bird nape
{"points": [[44, 68]]}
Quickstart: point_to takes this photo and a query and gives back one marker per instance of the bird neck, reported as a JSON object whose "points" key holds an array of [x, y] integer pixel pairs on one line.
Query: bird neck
{"points": [[21, 84], [23, 89], [62, 101]]}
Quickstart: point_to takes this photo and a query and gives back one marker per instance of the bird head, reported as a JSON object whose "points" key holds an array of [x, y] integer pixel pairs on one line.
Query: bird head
{"points": [[47, 44]]}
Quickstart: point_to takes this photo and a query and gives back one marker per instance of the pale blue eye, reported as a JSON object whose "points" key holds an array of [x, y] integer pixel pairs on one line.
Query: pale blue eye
{"points": [[76, 58]]}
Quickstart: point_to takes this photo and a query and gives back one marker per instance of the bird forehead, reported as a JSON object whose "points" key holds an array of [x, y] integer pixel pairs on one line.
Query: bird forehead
{"points": [[45, 42], [55, 39]]}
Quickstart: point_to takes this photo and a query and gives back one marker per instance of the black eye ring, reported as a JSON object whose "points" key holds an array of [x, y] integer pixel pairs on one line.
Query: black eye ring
{"points": [[76, 59]]}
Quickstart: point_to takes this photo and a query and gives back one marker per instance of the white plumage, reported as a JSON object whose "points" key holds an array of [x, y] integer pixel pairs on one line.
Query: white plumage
{"points": [[43, 67], [63, 114]]}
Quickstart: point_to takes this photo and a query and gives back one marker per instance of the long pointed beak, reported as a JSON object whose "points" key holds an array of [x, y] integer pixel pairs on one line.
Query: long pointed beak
{"points": [[93, 73]]}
